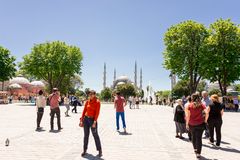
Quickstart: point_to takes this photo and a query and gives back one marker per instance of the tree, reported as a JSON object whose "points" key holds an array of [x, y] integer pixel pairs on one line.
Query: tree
{"points": [[237, 86], [214, 91], [202, 86], [53, 62], [181, 89], [106, 94], [184, 47], [127, 90], [163, 94], [223, 48], [7, 65]]}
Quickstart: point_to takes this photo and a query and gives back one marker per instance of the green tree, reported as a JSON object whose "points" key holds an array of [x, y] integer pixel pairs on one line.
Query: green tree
{"points": [[214, 91], [163, 94], [237, 86], [223, 48], [202, 86], [7, 65], [181, 89], [184, 47], [127, 90], [53, 62], [106, 94]]}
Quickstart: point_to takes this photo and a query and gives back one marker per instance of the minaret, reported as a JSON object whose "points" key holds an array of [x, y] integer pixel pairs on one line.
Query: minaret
{"points": [[135, 74], [104, 76], [141, 78], [115, 75]]}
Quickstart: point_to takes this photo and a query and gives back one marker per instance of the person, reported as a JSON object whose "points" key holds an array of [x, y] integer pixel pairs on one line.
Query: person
{"points": [[151, 99], [179, 118], [195, 122], [235, 102], [130, 99], [40, 104], [88, 120], [119, 104], [137, 102], [206, 101], [54, 100], [215, 110], [67, 103], [133, 102], [75, 103], [185, 106]]}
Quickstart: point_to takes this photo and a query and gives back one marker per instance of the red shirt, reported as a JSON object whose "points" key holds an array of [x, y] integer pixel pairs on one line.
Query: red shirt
{"points": [[91, 109], [196, 114], [54, 100], [119, 101]]}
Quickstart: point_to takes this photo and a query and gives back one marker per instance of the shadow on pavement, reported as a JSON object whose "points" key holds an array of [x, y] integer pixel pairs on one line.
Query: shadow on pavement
{"points": [[124, 133], [204, 158], [54, 131], [40, 130], [233, 150], [92, 157]]}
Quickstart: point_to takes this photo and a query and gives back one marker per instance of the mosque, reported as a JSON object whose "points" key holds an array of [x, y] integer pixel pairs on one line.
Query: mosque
{"points": [[123, 79]]}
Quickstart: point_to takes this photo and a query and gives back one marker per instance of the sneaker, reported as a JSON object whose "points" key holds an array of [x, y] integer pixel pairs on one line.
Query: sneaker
{"points": [[125, 131], [177, 136], [60, 129], [218, 146], [181, 137]]}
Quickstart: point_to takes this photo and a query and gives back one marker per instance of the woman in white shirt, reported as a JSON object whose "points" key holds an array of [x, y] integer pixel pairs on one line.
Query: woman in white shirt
{"points": [[41, 104], [66, 103]]}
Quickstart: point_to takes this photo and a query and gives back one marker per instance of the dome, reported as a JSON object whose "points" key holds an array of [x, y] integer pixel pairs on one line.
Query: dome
{"points": [[37, 83], [19, 80], [123, 78], [14, 86], [120, 83]]}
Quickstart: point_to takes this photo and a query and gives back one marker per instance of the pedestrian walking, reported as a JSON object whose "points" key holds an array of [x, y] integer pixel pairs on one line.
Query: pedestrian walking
{"points": [[179, 119], [137, 102], [40, 104], [119, 104], [185, 106], [133, 102], [67, 105], [54, 100], [195, 122], [89, 121], [235, 102], [215, 110], [130, 101], [206, 101], [74, 103]]}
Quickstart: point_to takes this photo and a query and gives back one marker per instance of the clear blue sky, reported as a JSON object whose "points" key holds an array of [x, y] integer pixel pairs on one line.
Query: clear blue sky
{"points": [[117, 32]]}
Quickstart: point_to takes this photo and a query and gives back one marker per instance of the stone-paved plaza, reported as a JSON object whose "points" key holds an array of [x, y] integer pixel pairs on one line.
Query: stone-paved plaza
{"points": [[151, 136]]}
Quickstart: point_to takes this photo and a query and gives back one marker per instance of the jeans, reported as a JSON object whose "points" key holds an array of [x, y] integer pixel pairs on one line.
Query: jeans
{"points": [[57, 112], [118, 114], [217, 124], [197, 132], [87, 124], [74, 109], [39, 116]]}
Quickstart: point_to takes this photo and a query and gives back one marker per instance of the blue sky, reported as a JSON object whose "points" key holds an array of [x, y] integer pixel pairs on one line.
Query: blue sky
{"points": [[117, 32]]}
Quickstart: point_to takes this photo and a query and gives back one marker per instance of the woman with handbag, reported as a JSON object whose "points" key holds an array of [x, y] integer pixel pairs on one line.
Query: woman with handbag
{"points": [[89, 121], [195, 122], [41, 104]]}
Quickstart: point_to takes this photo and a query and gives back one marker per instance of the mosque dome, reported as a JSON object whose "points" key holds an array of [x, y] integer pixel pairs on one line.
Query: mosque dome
{"points": [[19, 80], [123, 78], [120, 83], [37, 84]]}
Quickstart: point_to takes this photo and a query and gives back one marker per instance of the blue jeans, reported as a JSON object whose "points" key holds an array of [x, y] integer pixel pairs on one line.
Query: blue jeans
{"points": [[122, 117]]}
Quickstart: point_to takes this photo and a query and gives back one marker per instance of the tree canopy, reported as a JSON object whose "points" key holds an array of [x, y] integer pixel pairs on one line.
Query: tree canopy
{"points": [[184, 47], [7, 65], [106, 94], [127, 90], [53, 62], [223, 49]]}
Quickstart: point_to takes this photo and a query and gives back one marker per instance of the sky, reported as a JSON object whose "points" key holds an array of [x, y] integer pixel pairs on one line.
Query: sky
{"points": [[117, 32]]}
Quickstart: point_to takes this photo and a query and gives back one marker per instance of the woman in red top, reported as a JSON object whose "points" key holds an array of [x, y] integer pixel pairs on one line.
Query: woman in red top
{"points": [[89, 120], [195, 122]]}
